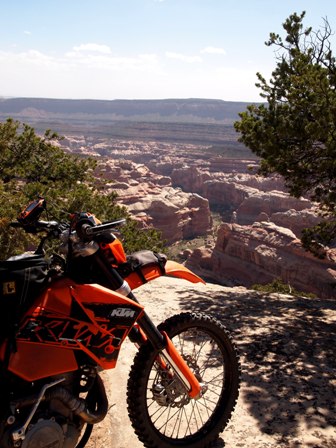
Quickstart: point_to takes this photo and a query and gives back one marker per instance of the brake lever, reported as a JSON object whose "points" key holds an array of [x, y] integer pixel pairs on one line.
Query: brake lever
{"points": [[88, 231]]}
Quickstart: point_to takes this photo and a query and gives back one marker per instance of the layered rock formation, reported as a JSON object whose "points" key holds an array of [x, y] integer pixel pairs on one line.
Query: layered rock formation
{"points": [[296, 220], [176, 214], [172, 188], [152, 200], [248, 251], [268, 203], [245, 255], [247, 197]]}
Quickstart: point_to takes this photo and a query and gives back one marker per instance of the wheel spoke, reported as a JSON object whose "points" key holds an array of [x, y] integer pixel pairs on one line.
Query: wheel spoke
{"points": [[199, 413], [169, 419], [187, 429], [160, 410], [211, 361], [218, 378], [205, 406]]}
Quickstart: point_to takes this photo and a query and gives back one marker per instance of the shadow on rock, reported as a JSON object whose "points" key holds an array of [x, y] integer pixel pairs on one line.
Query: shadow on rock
{"points": [[287, 348]]}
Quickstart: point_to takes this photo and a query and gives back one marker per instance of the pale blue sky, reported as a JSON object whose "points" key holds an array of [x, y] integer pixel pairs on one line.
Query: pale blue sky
{"points": [[143, 49]]}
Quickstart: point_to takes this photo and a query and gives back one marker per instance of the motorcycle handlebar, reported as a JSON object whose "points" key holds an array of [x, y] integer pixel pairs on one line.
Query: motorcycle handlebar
{"points": [[87, 231]]}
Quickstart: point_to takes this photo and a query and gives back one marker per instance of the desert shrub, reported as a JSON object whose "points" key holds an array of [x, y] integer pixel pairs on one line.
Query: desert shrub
{"points": [[279, 287]]}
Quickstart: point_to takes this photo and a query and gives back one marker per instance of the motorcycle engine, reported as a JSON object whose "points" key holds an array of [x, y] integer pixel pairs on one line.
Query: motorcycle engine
{"points": [[52, 425], [44, 434]]}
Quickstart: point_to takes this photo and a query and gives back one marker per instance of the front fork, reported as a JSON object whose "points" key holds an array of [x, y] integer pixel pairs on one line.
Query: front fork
{"points": [[169, 354], [181, 369]]}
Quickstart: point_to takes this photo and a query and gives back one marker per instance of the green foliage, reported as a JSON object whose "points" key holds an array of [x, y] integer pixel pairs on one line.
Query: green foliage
{"points": [[279, 287], [32, 166], [135, 239], [24, 155], [294, 133]]}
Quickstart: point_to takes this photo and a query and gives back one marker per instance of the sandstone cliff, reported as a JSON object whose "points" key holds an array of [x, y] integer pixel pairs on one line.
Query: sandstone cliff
{"points": [[152, 200], [245, 255]]}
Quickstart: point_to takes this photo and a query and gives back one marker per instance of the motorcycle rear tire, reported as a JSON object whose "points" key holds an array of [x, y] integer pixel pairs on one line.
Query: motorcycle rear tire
{"points": [[157, 420]]}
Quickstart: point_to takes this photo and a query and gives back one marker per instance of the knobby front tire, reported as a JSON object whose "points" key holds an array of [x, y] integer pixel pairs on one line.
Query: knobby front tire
{"points": [[160, 410]]}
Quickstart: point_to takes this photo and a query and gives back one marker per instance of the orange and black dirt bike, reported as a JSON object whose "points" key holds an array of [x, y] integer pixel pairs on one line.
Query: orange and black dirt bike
{"points": [[64, 319]]}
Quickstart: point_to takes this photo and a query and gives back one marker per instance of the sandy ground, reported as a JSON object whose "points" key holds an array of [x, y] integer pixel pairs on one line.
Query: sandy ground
{"points": [[287, 347]]}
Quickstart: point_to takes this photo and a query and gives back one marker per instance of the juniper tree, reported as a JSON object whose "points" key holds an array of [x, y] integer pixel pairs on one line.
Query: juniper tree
{"points": [[294, 130]]}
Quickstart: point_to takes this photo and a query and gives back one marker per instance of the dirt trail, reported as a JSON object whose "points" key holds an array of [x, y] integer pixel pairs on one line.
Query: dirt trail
{"points": [[287, 345]]}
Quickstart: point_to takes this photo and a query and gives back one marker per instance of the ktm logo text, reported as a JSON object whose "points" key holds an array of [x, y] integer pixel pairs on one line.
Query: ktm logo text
{"points": [[122, 312]]}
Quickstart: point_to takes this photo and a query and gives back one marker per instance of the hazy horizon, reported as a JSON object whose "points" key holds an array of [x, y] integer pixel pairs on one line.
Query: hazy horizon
{"points": [[123, 99], [144, 49]]}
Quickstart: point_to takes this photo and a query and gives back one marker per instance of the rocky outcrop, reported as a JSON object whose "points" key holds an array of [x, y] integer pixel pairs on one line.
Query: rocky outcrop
{"points": [[220, 164], [269, 203], [261, 183], [296, 220], [151, 200], [246, 194], [245, 255], [259, 245], [190, 178], [223, 195], [176, 214]]}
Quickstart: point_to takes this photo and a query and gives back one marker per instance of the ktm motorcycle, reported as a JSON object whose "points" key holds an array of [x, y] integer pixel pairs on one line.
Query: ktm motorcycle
{"points": [[64, 320]]}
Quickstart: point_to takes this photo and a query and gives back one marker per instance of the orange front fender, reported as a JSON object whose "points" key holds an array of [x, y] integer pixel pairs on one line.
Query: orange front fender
{"points": [[174, 269]]}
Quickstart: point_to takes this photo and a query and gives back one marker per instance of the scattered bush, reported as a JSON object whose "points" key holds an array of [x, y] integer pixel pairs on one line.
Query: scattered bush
{"points": [[279, 287]]}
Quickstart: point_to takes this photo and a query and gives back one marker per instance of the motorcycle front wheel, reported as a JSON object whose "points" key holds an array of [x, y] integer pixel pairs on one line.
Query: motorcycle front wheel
{"points": [[160, 409]]}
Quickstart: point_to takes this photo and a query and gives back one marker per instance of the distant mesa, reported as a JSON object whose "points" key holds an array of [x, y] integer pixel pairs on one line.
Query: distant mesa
{"points": [[189, 110], [196, 121]]}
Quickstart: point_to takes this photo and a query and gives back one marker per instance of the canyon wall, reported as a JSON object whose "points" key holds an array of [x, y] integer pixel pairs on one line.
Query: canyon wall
{"points": [[262, 252], [152, 200], [176, 188]]}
